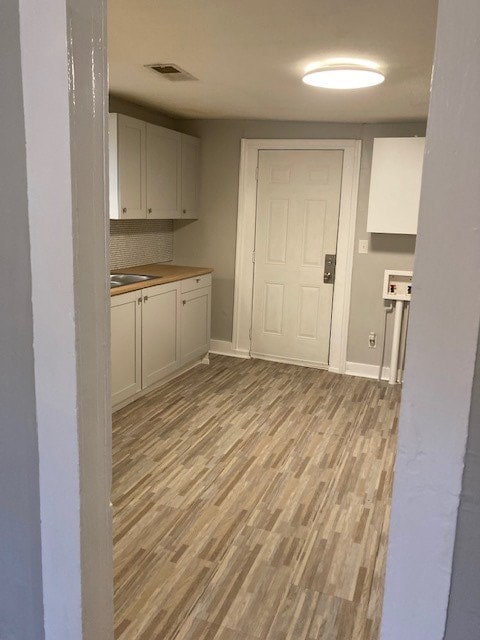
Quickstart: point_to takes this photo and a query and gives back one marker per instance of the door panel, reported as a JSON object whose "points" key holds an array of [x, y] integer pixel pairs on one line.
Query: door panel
{"points": [[195, 324], [277, 232], [314, 233], [273, 308], [298, 202], [163, 172], [131, 167], [126, 318], [160, 337]]}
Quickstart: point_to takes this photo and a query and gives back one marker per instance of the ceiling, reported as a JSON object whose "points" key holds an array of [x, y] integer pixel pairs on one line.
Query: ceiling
{"points": [[249, 56]]}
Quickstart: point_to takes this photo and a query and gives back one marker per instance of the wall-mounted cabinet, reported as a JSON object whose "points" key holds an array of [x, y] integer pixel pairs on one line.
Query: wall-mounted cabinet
{"points": [[153, 171], [164, 172], [395, 184]]}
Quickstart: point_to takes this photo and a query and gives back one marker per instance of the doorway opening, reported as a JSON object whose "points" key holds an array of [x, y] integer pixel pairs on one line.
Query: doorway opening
{"points": [[298, 200], [245, 295]]}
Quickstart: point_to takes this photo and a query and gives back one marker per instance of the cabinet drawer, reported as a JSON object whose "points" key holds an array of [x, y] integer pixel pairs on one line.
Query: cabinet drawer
{"points": [[196, 283]]}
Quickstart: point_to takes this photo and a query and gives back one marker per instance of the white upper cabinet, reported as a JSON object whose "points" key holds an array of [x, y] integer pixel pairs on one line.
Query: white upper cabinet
{"points": [[153, 171], [395, 185], [128, 183], [190, 176], [164, 172]]}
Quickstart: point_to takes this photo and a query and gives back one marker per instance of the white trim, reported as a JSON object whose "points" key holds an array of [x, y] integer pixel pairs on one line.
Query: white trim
{"points": [[363, 370], [247, 197], [224, 348]]}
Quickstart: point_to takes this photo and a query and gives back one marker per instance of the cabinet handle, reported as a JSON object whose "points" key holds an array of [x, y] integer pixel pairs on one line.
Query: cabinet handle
{"points": [[184, 302], [198, 279], [150, 211], [145, 298], [124, 210], [139, 301], [184, 211]]}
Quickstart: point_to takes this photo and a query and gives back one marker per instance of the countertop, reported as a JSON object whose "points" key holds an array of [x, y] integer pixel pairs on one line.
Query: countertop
{"points": [[164, 272]]}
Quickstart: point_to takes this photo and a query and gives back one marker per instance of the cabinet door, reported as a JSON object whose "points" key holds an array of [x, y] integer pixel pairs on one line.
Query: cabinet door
{"points": [[195, 324], [163, 172], [125, 319], [160, 335], [395, 185], [190, 176], [132, 167], [113, 195]]}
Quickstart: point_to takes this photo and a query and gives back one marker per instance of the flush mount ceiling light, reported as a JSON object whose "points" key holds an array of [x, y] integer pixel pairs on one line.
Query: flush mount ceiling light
{"points": [[343, 77]]}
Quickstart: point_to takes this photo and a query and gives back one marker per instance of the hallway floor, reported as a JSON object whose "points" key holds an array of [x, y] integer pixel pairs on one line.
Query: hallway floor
{"points": [[251, 502]]}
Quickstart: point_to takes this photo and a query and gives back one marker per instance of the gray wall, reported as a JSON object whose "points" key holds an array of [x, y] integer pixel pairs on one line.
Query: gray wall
{"points": [[88, 118], [62, 245], [211, 240], [21, 614], [437, 410], [463, 619]]}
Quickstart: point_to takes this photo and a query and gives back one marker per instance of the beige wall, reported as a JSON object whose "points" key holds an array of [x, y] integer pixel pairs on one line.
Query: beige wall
{"points": [[210, 241]]}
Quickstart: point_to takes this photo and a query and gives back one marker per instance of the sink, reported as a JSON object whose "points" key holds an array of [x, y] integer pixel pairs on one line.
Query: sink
{"points": [[121, 279]]}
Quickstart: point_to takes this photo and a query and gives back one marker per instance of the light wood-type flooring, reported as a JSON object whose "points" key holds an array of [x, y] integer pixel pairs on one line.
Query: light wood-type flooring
{"points": [[251, 502]]}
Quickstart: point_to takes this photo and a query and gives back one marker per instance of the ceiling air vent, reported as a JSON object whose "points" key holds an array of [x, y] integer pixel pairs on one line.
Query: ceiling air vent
{"points": [[171, 72]]}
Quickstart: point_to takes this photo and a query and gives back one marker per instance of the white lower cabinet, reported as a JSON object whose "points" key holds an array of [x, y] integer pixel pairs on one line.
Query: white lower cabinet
{"points": [[157, 330], [126, 341], [160, 332], [195, 324]]}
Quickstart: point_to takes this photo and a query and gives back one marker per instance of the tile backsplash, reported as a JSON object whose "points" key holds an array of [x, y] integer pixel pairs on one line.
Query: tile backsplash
{"points": [[135, 242]]}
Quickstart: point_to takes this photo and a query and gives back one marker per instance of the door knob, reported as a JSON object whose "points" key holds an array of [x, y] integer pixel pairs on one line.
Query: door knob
{"points": [[329, 268]]}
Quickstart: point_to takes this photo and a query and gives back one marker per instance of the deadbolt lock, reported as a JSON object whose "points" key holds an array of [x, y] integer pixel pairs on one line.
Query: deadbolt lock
{"points": [[329, 270]]}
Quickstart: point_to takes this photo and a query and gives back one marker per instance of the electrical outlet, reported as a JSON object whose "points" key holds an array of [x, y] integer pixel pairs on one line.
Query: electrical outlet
{"points": [[363, 246], [372, 340]]}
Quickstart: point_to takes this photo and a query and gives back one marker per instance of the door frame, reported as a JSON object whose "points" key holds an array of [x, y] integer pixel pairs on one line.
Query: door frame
{"points": [[246, 222]]}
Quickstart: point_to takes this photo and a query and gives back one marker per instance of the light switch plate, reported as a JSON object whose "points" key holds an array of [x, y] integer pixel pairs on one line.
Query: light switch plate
{"points": [[363, 246]]}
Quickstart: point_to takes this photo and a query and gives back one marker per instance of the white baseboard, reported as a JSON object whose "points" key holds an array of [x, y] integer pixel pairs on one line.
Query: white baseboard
{"points": [[369, 371], [360, 369], [225, 348]]}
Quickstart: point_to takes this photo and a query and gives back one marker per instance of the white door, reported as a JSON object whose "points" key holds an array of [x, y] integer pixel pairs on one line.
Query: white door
{"points": [[160, 332], [298, 202], [164, 148]]}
